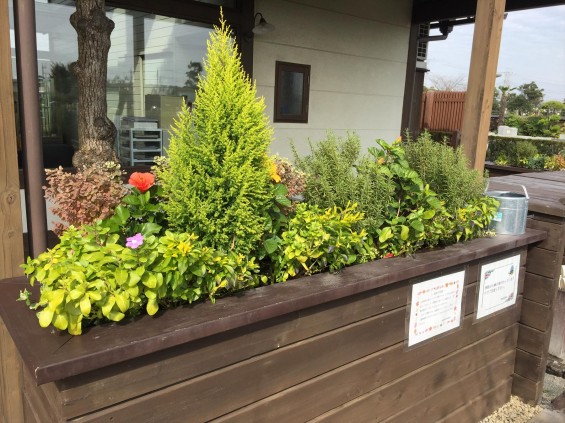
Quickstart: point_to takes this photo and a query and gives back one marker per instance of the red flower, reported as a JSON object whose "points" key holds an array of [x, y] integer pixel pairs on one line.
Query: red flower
{"points": [[142, 180], [388, 255]]}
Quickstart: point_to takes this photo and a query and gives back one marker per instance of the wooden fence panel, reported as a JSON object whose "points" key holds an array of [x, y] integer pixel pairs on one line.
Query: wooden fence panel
{"points": [[442, 110]]}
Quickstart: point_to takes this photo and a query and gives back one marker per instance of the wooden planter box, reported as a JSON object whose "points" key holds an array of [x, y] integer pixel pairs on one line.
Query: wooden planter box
{"points": [[323, 348], [495, 170]]}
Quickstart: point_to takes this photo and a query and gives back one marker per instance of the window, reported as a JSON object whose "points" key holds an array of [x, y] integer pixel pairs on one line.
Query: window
{"points": [[292, 88], [153, 65]]}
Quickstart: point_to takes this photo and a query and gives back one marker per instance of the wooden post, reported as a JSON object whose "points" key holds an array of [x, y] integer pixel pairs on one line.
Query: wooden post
{"points": [[11, 242], [482, 75]]}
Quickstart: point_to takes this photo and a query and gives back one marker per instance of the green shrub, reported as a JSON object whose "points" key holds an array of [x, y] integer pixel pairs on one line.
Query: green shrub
{"points": [[90, 276], [446, 171], [336, 175], [318, 240], [85, 196], [410, 213], [216, 182]]}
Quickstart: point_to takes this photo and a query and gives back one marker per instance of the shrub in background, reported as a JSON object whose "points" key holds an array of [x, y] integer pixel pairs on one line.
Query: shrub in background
{"points": [[336, 176], [83, 197], [446, 171], [216, 182]]}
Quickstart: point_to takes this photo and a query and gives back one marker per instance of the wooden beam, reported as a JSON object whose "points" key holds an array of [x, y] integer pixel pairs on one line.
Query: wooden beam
{"points": [[11, 241], [482, 75]]}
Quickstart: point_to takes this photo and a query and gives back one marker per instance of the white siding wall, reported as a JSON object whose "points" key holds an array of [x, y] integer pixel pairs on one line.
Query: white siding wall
{"points": [[357, 50]]}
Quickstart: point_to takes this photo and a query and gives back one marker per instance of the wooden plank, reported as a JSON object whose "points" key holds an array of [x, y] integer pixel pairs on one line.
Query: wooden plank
{"points": [[557, 343], [552, 242], [529, 365], [316, 396], [532, 340], [89, 392], [37, 403], [539, 289], [482, 74], [537, 316], [117, 383], [481, 406], [11, 246], [11, 401], [473, 409], [528, 390], [440, 396], [271, 372], [544, 262]]}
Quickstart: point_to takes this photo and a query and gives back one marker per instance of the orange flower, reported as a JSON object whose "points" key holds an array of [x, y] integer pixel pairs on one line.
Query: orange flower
{"points": [[142, 180]]}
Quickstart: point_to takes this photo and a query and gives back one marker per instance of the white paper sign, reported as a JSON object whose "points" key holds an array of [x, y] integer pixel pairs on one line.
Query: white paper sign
{"points": [[435, 307], [498, 287]]}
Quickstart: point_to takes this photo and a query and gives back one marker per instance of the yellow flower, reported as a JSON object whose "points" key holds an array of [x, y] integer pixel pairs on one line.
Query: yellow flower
{"points": [[184, 247], [273, 170]]}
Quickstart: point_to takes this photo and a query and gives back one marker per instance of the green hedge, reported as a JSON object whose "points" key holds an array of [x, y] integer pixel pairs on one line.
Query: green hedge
{"points": [[516, 151]]}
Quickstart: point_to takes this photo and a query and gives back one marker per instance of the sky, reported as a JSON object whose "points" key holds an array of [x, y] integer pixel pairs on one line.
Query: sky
{"points": [[532, 49]]}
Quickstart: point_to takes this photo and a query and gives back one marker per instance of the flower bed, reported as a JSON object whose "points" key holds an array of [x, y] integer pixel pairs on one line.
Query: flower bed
{"points": [[327, 346]]}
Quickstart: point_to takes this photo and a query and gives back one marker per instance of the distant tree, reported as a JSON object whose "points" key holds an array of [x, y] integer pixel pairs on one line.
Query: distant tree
{"points": [[552, 107], [495, 101], [528, 100], [444, 83], [504, 92], [194, 70]]}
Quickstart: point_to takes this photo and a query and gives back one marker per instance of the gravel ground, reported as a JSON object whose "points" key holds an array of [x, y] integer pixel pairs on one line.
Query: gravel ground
{"points": [[515, 411]]}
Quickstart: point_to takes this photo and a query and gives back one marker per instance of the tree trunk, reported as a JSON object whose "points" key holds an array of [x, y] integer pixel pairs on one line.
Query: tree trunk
{"points": [[96, 132], [502, 109]]}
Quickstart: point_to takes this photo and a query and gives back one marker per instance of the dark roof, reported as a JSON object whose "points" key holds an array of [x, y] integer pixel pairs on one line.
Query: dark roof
{"points": [[435, 10]]}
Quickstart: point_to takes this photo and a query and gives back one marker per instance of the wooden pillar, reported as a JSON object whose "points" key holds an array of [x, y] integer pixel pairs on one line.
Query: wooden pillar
{"points": [[482, 75], [409, 83], [11, 243]]}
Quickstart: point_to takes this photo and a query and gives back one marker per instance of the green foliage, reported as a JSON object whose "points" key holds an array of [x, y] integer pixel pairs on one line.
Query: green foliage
{"points": [[337, 176], [408, 222], [532, 154], [445, 170], [528, 99], [139, 213], [546, 125], [318, 240], [91, 276], [216, 182], [473, 220]]}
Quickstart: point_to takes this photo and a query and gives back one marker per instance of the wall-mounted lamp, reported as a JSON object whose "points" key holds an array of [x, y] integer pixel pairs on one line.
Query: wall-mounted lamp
{"points": [[263, 27]]}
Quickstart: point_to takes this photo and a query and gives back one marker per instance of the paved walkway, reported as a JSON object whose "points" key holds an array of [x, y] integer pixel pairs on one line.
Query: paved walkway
{"points": [[548, 416], [552, 401]]}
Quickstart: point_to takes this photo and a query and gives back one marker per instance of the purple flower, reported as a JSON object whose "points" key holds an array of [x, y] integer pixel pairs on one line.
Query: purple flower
{"points": [[134, 241]]}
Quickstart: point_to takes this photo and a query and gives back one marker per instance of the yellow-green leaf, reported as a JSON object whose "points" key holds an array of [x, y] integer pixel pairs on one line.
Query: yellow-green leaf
{"points": [[122, 302], [45, 317], [61, 322], [152, 306], [85, 306]]}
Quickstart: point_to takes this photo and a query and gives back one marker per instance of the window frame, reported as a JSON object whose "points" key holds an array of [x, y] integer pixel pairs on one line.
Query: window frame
{"points": [[281, 67]]}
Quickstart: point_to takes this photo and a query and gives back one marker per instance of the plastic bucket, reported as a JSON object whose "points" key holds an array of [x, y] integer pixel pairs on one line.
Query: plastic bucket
{"points": [[512, 213]]}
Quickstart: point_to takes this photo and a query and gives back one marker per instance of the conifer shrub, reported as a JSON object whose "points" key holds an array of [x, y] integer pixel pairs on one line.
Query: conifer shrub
{"points": [[445, 170], [216, 182]]}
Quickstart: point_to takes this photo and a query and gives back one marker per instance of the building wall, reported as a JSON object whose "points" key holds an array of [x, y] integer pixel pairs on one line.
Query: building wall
{"points": [[357, 51]]}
